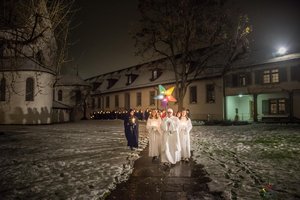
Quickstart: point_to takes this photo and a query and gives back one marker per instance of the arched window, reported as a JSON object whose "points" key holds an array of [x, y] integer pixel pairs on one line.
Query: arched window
{"points": [[59, 95], [29, 89], [2, 89]]}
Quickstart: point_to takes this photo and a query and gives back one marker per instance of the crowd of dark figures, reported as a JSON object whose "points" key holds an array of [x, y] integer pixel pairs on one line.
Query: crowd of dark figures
{"points": [[119, 114]]}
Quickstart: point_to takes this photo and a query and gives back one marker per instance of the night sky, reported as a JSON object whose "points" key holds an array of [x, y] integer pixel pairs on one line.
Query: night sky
{"points": [[102, 42]]}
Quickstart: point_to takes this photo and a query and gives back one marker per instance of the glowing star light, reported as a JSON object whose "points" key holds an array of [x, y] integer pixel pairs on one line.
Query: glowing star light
{"points": [[165, 95]]}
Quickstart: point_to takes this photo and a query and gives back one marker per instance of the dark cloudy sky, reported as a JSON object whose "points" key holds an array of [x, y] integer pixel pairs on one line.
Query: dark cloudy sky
{"points": [[103, 43]]}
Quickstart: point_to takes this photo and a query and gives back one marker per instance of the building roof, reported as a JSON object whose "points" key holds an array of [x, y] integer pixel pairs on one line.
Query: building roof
{"points": [[144, 72], [58, 105], [71, 80]]}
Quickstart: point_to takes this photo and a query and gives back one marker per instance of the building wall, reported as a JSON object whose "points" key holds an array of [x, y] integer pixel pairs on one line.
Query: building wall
{"points": [[69, 99], [15, 110], [60, 115], [199, 111], [296, 104]]}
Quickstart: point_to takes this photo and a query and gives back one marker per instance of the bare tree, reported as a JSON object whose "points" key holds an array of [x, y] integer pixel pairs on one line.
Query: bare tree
{"points": [[35, 30], [189, 34]]}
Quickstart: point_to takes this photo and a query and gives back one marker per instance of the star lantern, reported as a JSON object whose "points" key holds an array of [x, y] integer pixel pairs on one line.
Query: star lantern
{"points": [[165, 95]]}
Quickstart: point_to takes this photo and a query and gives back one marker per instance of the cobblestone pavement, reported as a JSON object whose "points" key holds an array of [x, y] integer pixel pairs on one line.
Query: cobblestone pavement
{"points": [[151, 180]]}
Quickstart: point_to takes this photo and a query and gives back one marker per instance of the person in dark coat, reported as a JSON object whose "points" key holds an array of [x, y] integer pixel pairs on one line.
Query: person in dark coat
{"points": [[131, 127]]}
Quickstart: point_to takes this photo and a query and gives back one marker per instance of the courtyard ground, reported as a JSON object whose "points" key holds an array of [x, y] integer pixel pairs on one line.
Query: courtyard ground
{"points": [[87, 159]]}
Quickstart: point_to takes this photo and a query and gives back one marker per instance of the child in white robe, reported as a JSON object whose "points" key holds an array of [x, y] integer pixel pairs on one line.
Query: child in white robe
{"points": [[185, 126], [155, 135]]}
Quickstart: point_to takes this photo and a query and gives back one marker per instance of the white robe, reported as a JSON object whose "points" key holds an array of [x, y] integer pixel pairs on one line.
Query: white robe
{"points": [[171, 143], [185, 126], [155, 136]]}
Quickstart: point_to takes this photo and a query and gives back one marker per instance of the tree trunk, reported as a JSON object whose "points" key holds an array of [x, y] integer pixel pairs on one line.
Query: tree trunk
{"points": [[224, 100], [180, 104]]}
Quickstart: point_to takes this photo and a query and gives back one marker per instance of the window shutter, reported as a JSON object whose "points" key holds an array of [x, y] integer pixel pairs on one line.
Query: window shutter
{"points": [[248, 79], [265, 107], [282, 74], [258, 77]]}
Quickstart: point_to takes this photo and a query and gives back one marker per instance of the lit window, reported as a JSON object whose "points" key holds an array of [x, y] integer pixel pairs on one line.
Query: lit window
{"points": [[266, 78], [275, 76], [29, 89], [271, 76], [278, 106]]}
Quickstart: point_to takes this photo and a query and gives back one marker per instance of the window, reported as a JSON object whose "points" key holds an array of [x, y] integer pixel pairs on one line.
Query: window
{"points": [[29, 89], [152, 100], [242, 80], [275, 76], [93, 103], [2, 89], [117, 101], [111, 82], [271, 76], [129, 80], [107, 102], [138, 99], [154, 74], [193, 94], [278, 106], [210, 93], [78, 96], [59, 95], [99, 102]]}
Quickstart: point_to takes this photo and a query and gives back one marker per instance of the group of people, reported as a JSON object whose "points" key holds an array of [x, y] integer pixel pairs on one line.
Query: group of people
{"points": [[169, 135]]}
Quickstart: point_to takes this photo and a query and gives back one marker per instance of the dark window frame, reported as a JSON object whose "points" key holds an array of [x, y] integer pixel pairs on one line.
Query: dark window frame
{"points": [[210, 93], [138, 99], [3, 89], [29, 96], [193, 94], [107, 102], [117, 101], [151, 98], [59, 95]]}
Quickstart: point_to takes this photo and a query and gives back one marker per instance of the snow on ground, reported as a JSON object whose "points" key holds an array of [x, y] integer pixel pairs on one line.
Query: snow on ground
{"points": [[85, 160], [82, 160], [242, 160]]}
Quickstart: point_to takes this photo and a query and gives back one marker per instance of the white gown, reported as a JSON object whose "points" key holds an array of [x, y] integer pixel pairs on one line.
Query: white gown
{"points": [[155, 136], [185, 126], [171, 143]]}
